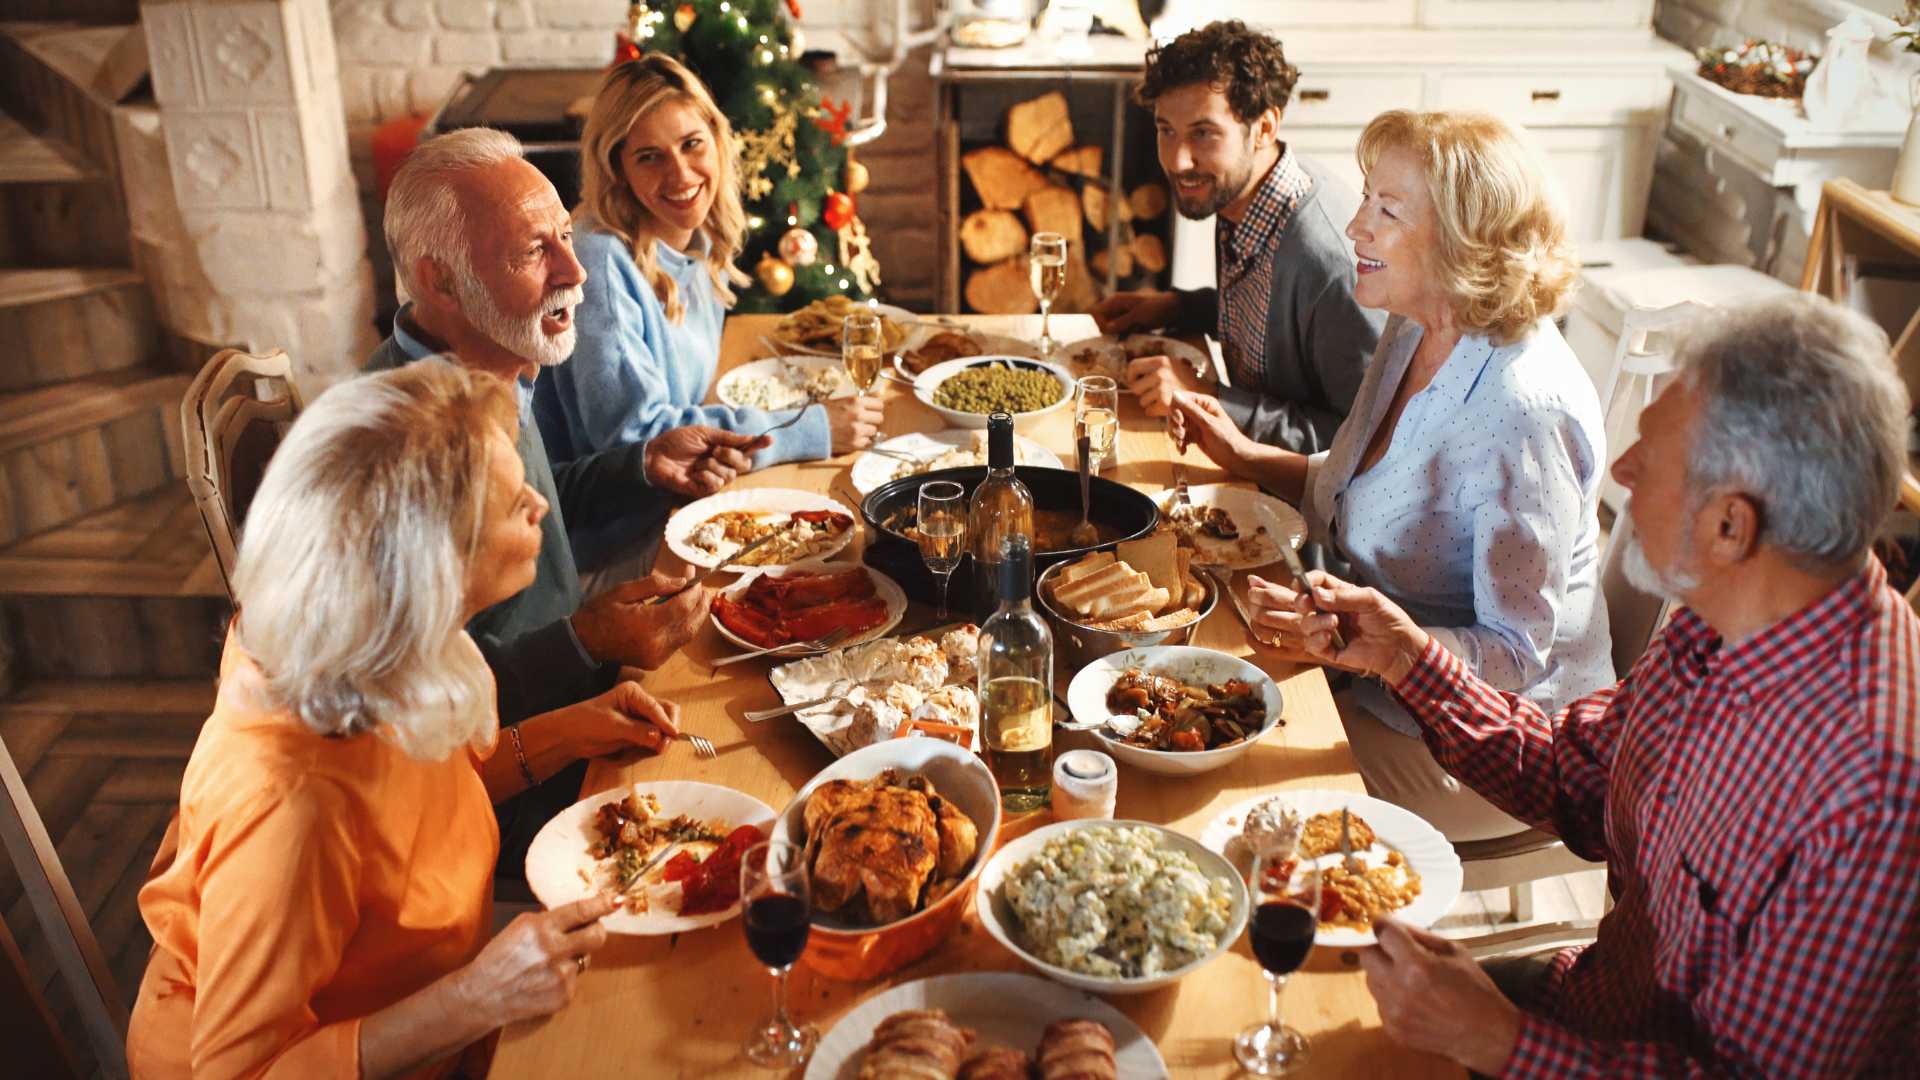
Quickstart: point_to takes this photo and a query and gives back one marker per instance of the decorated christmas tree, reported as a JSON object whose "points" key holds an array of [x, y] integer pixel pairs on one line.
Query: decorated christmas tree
{"points": [[798, 178]]}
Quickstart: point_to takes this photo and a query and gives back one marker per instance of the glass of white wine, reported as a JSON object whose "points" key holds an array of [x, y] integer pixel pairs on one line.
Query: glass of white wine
{"points": [[943, 531], [1047, 272], [1096, 414], [863, 347]]}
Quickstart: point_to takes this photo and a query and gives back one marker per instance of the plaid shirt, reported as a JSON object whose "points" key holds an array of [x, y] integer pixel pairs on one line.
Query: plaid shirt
{"points": [[1243, 253], [1758, 808]]}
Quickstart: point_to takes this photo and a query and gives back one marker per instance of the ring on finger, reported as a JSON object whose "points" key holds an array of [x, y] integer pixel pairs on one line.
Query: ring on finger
{"points": [[580, 962]]}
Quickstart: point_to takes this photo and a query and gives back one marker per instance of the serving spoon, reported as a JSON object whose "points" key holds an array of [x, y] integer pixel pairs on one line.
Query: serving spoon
{"points": [[1084, 534]]}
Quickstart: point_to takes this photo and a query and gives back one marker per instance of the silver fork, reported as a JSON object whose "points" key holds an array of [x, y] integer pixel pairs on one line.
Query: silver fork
{"points": [[812, 400], [1352, 862], [755, 716], [702, 747], [825, 641], [1181, 499]]}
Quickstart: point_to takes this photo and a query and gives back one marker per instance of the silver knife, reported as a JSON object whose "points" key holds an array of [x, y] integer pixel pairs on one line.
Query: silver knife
{"points": [[724, 564], [1299, 571]]}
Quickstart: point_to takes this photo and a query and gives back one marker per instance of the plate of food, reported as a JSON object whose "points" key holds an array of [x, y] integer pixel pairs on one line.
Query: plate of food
{"points": [[1412, 872], [888, 689], [1110, 355], [952, 449], [985, 1024], [1232, 527], [780, 383], [959, 343], [1175, 709], [965, 392], [707, 531], [896, 835], [816, 327], [1112, 907], [768, 609], [669, 849]]}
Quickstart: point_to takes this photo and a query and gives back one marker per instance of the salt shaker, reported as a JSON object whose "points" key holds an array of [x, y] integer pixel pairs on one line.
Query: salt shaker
{"points": [[1086, 784]]}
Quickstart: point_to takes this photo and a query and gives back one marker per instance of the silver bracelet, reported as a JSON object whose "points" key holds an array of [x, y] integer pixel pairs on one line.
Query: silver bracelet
{"points": [[520, 755]]}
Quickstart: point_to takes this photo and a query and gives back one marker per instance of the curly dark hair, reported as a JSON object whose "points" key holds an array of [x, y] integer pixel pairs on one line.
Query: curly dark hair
{"points": [[1249, 67]]}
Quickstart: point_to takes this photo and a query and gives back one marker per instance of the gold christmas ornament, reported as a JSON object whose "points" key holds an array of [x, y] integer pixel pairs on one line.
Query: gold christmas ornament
{"points": [[772, 148], [774, 274], [799, 247], [857, 178], [683, 17]]}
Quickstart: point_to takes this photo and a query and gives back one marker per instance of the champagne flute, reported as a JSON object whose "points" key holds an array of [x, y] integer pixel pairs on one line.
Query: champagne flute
{"points": [[1096, 414], [942, 531], [1286, 914], [779, 911], [863, 346], [1047, 272]]}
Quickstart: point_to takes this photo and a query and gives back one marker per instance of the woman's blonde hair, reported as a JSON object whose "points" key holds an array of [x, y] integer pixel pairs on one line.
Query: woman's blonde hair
{"points": [[352, 574], [1504, 255], [630, 91]]}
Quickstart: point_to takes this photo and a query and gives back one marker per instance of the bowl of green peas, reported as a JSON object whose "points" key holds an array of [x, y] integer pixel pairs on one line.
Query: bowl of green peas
{"points": [[966, 391]]}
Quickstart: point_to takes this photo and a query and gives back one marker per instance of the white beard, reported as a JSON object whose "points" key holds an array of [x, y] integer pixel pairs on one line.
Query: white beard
{"points": [[1671, 585], [521, 337]]}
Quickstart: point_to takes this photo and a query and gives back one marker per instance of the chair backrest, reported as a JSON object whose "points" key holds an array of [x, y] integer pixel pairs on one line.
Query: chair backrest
{"points": [[1632, 615], [233, 417], [63, 919], [1645, 345]]}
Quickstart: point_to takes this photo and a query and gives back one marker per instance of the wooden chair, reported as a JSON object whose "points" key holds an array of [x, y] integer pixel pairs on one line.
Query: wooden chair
{"points": [[62, 918], [234, 416]]}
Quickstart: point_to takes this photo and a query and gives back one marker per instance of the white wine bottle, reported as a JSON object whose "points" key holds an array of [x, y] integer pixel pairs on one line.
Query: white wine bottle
{"points": [[1016, 686], [1001, 508]]}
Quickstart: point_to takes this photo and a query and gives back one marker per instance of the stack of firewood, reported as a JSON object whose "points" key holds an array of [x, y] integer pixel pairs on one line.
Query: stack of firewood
{"points": [[1041, 182]]}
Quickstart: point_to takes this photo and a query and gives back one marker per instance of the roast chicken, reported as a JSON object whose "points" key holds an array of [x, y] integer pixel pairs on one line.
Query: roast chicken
{"points": [[884, 847]]}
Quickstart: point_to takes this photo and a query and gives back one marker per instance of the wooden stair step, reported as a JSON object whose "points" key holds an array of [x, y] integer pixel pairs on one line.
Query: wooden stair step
{"points": [[32, 417], [81, 446], [60, 81], [68, 322], [26, 158], [92, 58], [153, 545], [74, 698]]}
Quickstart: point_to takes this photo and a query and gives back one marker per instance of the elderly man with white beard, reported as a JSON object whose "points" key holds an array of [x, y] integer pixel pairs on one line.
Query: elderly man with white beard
{"points": [[1753, 784], [483, 247]]}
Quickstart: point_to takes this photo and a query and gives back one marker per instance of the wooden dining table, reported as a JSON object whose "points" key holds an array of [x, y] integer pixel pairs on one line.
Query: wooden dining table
{"points": [[682, 1005]]}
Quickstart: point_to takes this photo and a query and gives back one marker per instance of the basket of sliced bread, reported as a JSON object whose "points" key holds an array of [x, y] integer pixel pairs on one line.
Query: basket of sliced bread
{"points": [[1143, 592]]}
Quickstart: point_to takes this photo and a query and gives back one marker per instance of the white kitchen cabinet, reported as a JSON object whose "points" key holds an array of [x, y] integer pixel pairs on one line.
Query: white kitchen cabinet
{"points": [[1557, 14]]}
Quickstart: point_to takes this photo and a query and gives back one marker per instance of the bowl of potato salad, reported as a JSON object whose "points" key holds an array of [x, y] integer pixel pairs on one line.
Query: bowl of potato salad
{"points": [[1112, 907]]}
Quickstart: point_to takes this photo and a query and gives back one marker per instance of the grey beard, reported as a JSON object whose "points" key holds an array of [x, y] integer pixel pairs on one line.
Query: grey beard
{"points": [[521, 337], [1670, 585]]}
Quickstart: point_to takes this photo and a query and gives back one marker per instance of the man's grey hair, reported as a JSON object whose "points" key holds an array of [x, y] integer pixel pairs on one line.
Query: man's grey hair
{"points": [[352, 569], [423, 216], [1801, 408]]}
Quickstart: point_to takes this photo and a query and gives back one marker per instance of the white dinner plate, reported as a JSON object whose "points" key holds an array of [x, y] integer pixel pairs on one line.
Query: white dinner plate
{"points": [[728, 389], [990, 344], [1003, 1008], [1087, 700], [888, 590], [870, 470], [560, 871], [1109, 355], [765, 500], [909, 322], [1252, 509], [811, 678], [1427, 852]]}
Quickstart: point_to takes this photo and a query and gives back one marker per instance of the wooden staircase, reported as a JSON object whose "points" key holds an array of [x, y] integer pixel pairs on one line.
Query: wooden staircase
{"points": [[111, 610]]}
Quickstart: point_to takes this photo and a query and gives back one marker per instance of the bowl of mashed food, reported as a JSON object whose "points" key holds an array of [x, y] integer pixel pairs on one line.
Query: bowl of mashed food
{"points": [[1112, 907]]}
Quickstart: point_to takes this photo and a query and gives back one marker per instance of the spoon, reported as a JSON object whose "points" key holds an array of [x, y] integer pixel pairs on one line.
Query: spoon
{"points": [[1120, 724], [1084, 534]]}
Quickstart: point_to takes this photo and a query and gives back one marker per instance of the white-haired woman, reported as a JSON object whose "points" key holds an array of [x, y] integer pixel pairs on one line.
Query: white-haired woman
{"points": [[660, 224], [321, 905], [1465, 482]]}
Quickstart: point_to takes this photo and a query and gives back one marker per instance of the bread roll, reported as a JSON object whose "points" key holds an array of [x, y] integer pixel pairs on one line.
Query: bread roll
{"points": [[920, 1044], [1076, 1050]]}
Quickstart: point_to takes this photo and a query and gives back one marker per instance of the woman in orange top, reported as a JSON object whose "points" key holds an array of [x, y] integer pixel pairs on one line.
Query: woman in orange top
{"points": [[321, 905]]}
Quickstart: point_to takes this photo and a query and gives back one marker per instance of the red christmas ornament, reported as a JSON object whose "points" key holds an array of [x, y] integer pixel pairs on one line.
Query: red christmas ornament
{"points": [[834, 122], [793, 8], [839, 210]]}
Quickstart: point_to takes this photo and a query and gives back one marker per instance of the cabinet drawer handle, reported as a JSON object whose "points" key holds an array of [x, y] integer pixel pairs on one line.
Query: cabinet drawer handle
{"points": [[1546, 95], [1725, 131], [1315, 95]]}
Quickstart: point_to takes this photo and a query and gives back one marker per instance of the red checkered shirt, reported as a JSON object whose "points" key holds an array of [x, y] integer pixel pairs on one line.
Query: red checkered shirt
{"points": [[1758, 808], [1243, 253]]}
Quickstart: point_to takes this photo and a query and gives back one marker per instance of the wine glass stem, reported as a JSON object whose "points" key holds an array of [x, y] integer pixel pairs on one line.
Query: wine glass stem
{"points": [[1275, 984], [780, 1018], [1046, 328], [944, 578]]}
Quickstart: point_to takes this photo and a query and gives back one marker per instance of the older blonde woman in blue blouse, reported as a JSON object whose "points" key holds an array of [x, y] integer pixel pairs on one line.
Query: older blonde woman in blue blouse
{"points": [[1465, 482]]}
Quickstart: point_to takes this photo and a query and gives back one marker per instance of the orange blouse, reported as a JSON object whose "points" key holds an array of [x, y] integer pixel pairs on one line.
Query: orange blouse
{"points": [[307, 883]]}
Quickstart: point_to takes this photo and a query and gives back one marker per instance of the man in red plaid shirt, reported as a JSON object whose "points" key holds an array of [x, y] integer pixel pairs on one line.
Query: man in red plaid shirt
{"points": [[1754, 783]]}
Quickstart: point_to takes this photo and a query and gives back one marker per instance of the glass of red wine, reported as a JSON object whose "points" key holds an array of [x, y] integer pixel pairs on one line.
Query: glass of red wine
{"points": [[1286, 913], [779, 908]]}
